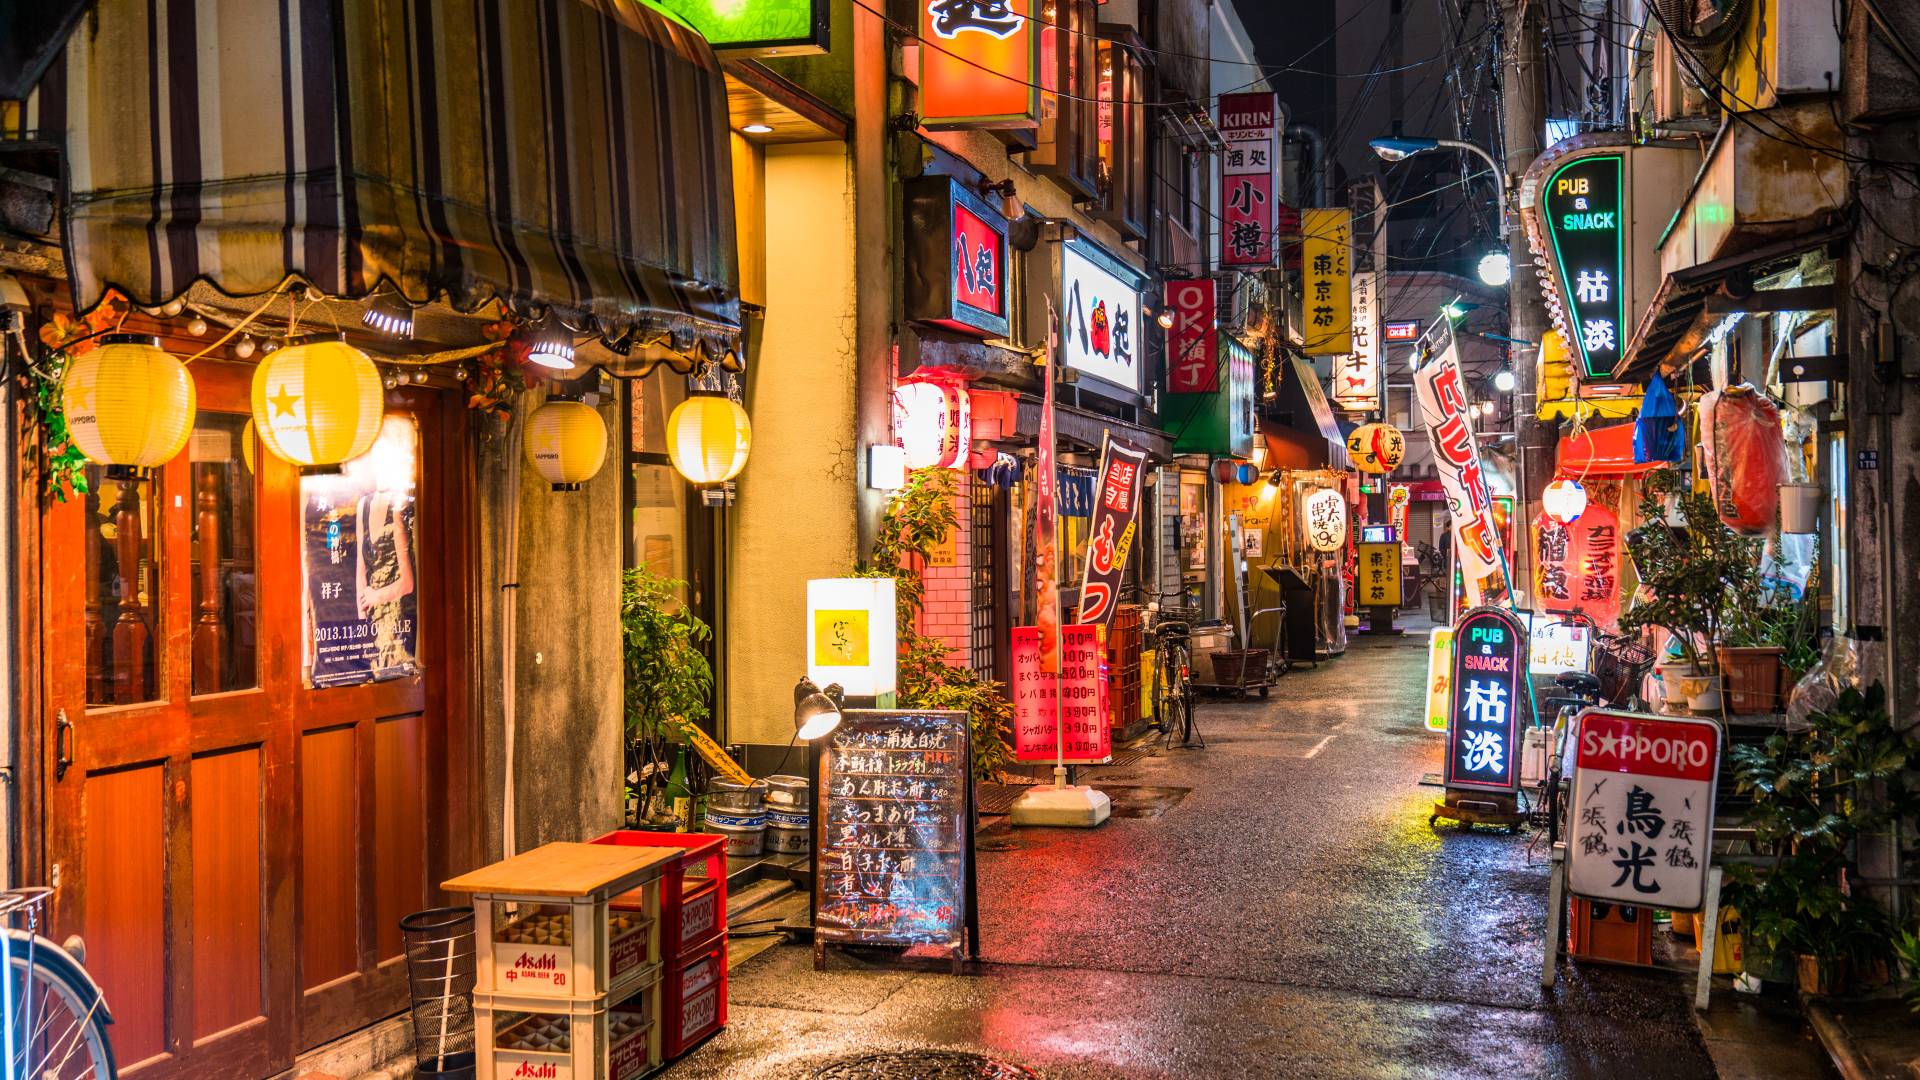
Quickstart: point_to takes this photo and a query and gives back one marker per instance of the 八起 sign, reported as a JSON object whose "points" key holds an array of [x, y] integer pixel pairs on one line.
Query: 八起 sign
{"points": [[1099, 316]]}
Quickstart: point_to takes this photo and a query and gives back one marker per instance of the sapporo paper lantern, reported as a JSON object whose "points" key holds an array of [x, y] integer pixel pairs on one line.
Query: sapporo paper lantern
{"points": [[708, 437], [566, 443], [1376, 448], [129, 404], [317, 403]]}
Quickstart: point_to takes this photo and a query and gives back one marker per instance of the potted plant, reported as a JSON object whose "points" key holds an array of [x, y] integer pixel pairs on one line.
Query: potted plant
{"points": [[668, 681], [1815, 792], [1687, 576]]}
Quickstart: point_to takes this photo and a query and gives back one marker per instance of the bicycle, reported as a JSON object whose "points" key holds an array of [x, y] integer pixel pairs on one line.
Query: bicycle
{"points": [[1173, 695], [1619, 664], [53, 1018]]}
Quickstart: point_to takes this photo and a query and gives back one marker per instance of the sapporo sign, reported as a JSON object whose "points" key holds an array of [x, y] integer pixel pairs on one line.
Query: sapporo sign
{"points": [[1490, 700], [1583, 211], [1643, 792]]}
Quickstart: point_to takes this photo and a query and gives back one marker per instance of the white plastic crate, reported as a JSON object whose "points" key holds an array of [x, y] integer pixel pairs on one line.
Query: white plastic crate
{"points": [[521, 1038]]}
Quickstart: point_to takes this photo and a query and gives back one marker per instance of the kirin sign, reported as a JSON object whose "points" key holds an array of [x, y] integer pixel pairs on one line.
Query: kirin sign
{"points": [[1490, 700]]}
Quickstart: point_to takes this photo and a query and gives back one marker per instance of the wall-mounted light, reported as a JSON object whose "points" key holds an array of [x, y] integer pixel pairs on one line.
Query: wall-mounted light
{"points": [[552, 344], [389, 314], [886, 467]]}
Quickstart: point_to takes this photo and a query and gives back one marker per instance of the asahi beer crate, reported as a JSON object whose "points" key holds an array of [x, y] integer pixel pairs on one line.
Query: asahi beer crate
{"points": [[531, 1038], [568, 921]]}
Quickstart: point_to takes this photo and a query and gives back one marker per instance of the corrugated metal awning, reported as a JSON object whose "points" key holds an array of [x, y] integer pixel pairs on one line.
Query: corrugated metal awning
{"points": [[562, 154]]}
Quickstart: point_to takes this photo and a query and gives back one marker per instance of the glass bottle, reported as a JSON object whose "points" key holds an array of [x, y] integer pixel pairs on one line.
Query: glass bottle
{"points": [[679, 795]]}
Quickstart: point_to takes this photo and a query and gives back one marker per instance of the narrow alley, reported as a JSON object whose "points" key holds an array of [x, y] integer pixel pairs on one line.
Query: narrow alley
{"points": [[1274, 905]]}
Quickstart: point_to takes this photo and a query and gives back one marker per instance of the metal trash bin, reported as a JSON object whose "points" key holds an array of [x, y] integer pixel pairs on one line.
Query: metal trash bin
{"points": [[440, 965]]}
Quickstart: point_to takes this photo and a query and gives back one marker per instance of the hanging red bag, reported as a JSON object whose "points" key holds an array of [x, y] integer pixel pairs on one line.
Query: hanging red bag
{"points": [[1745, 456]]}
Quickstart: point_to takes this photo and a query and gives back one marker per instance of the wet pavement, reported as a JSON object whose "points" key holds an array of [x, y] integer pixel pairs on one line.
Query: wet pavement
{"points": [[1275, 905]]}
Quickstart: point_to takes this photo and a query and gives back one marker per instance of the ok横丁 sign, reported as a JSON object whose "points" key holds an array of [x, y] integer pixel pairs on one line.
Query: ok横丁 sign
{"points": [[1490, 700], [1642, 819]]}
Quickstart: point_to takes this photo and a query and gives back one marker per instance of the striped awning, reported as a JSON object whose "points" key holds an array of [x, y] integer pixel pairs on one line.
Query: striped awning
{"points": [[568, 154]]}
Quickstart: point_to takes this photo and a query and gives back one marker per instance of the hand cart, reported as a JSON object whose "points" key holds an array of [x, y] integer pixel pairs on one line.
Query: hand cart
{"points": [[1248, 670]]}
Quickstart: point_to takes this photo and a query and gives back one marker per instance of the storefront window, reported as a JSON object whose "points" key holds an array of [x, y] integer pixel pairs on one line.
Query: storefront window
{"points": [[123, 576], [225, 642], [659, 498], [1193, 531], [1067, 146]]}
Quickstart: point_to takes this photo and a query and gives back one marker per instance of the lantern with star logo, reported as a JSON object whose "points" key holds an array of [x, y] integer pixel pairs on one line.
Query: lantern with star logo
{"points": [[129, 404], [317, 403]]}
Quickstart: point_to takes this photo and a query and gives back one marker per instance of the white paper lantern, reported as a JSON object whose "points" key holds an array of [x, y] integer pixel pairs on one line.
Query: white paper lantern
{"points": [[1564, 500], [1323, 517], [933, 422]]}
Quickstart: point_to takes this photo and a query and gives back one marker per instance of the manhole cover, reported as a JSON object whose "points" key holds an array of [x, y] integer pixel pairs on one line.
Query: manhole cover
{"points": [[924, 1065]]}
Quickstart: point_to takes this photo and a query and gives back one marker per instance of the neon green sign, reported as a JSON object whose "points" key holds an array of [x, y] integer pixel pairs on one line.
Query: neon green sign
{"points": [[738, 25]]}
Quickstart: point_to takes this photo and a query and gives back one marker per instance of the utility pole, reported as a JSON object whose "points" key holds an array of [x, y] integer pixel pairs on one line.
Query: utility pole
{"points": [[1523, 105]]}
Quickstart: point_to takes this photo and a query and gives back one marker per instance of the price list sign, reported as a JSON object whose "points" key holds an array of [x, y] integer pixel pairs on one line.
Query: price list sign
{"points": [[895, 813], [1080, 725]]}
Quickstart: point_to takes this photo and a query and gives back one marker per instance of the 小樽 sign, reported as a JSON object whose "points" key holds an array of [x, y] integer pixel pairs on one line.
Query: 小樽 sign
{"points": [[1490, 699], [1642, 818], [1249, 198], [1582, 208]]}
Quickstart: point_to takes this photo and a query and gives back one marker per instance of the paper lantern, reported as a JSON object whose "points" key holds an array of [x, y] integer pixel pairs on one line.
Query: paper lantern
{"points": [[1564, 500], [129, 404], [1323, 515], [566, 443], [1376, 448], [933, 422], [708, 437], [317, 403]]}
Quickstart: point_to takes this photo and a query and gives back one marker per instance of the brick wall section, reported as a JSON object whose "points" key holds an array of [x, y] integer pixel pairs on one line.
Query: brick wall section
{"points": [[948, 614]]}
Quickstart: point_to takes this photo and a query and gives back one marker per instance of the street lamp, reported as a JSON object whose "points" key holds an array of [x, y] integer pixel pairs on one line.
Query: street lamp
{"points": [[1504, 381], [1399, 148], [1496, 269]]}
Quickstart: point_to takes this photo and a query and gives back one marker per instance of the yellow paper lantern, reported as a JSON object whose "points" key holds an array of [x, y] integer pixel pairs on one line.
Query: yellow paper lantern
{"points": [[566, 443], [708, 437], [317, 403], [129, 404], [1376, 448]]}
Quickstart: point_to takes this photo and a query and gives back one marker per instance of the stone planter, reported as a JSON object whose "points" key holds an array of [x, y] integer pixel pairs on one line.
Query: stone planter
{"points": [[1753, 676]]}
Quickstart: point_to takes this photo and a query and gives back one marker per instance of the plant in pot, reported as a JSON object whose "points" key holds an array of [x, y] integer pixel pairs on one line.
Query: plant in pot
{"points": [[1689, 577], [668, 681], [1815, 793]]}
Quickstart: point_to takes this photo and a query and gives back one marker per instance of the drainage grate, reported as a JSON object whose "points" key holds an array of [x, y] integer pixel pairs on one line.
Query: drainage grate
{"points": [[924, 1065], [1125, 757], [990, 798]]}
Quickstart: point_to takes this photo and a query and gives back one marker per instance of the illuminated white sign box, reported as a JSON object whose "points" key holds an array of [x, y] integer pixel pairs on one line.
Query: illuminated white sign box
{"points": [[1097, 299]]}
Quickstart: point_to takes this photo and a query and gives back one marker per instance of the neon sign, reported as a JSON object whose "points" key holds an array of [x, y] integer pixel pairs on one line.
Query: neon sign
{"points": [[1582, 209]]}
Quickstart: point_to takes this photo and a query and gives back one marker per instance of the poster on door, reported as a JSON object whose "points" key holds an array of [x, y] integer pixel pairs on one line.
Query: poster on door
{"points": [[359, 550]]}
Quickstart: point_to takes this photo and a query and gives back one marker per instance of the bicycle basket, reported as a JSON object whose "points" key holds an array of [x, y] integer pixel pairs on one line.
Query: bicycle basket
{"points": [[1619, 664], [1188, 615]]}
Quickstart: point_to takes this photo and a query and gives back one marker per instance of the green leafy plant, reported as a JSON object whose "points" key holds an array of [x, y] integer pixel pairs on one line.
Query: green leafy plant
{"points": [[1906, 946], [669, 684], [1694, 573], [65, 337], [1815, 793], [919, 516]]}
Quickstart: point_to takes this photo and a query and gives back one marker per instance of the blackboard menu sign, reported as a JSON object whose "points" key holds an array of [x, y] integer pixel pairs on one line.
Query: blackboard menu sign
{"points": [[895, 831]]}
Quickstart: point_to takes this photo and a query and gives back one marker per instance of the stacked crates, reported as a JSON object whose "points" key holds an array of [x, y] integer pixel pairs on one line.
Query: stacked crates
{"points": [[571, 948], [693, 922]]}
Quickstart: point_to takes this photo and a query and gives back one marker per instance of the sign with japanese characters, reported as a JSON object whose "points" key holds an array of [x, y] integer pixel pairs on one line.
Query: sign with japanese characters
{"points": [[1116, 516], [1442, 396], [1326, 275], [749, 26], [1577, 564], [1402, 331], [1249, 196], [1439, 676], [1557, 645], [1082, 728], [1193, 350], [1323, 519], [979, 64], [956, 258], [1582, 207], [1378, 577], [1489, 702], [1099, 317], [1356, 375], [896, 811], [1642, 818], [851, 636]]}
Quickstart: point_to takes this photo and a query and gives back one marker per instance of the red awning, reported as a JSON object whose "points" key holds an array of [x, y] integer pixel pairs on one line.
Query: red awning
{"points": [[1602, 452]]}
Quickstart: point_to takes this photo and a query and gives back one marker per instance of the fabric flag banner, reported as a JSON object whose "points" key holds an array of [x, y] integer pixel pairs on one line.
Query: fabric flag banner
{"points": [[1116, 512], [1046, 521], [1442, 394]]}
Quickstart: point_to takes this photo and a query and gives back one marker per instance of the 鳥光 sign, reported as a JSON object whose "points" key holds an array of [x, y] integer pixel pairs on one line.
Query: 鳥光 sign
{"points": [[1582, 209], [1326, 267], [1116, 511], [1643, 792], [1193, 351], [1082, 720], [1356, 375], [1378, 577], [1490, 700], [1249, 200], [1442, 395], [979, 64], [1577, 564], [956, 258], [1099, 318]]}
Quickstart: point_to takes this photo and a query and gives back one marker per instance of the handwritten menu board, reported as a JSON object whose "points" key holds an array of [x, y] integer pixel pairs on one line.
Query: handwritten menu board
{"points": [[1081, 712], [895, 809]]}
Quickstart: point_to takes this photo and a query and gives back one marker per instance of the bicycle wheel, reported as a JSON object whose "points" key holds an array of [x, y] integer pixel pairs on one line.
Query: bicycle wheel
{"points": [[57, 1026]]}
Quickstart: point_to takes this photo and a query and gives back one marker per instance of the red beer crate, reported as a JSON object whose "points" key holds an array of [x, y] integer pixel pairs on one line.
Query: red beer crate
{"points": [[568, 921], [693, 1000], [522, 1038], [1613, 933], [693, 888]]}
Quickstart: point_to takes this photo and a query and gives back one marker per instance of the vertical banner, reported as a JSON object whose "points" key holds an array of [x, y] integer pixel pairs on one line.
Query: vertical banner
{"points": [[1116, 511], [1046, 514], [1490, 701], [979, 64], [1399, 498], [1439, 676], [1326, 257], [1356, 375], [1442, 394], [1081, 728], [1193, 348], [1249, 198], [1577, 564]]}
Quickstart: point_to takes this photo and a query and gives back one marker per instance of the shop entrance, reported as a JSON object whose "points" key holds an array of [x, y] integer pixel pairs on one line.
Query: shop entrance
{"points": [[251, 697]]}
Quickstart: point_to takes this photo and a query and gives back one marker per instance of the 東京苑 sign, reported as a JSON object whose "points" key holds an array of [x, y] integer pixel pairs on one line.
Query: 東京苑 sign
{"points": [[1099, 316], [1642, 818], [1116, 513], [1249, 198], [1326, 269], [1491, 700], [1193, 349], [1356, 375], [979, 64], [1063, 715], [1582, 208], [1378, 576]]}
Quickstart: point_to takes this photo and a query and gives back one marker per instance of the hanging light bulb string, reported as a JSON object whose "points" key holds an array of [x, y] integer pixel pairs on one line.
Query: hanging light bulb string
{"points": [[243, 323]]}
